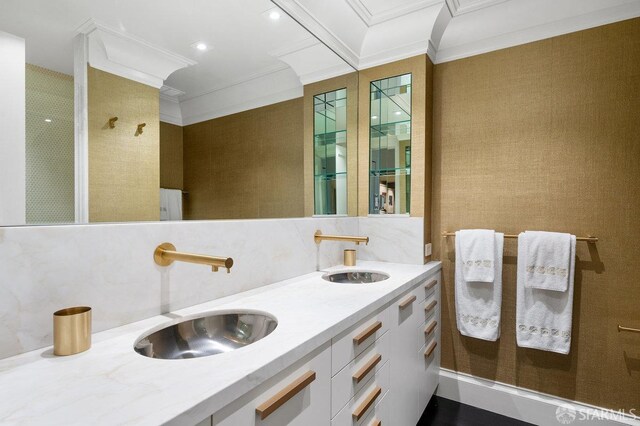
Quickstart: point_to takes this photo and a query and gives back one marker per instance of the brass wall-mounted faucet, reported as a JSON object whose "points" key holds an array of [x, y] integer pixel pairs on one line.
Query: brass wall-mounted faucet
{"points": [[318, 238], [165, 254]]}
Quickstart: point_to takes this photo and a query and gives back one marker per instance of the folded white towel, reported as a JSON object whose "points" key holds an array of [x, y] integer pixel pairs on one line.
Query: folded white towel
{"points": [[477, 253], [170, 204], [548, 258], [543, 317], [478, 303]]}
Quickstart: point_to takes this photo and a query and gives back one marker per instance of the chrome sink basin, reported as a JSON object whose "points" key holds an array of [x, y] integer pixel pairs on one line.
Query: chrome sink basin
{"points": [[206, 335], [355, 277]]}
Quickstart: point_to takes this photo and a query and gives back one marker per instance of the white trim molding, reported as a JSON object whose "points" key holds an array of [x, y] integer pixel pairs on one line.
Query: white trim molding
{"points": [[526, 405], [457, 9], [540, 32], [371, 19], [130, 57]]}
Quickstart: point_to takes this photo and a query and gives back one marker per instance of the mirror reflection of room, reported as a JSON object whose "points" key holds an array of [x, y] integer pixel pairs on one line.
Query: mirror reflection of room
{"points": [[390, 146], [205, 121], [330, 152]]}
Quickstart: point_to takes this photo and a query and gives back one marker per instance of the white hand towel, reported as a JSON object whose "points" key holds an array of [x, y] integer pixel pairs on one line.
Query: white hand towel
{"points": [[478, 303], [548, 259], [543, 317], [170, 204], [477, 254]]}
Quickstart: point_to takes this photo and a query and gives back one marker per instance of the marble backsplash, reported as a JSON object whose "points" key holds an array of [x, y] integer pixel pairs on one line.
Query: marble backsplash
{"points": [[110, 267]]}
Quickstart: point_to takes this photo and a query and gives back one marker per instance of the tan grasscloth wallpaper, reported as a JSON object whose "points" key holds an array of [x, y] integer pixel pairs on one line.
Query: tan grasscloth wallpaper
{"points": [[546, 136], [171, 156], [246, 165], [124, 169]]}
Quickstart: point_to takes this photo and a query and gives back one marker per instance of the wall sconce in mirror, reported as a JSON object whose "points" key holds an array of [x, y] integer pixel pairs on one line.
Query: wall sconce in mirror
{"points": [[112, 122], [140, 127]]}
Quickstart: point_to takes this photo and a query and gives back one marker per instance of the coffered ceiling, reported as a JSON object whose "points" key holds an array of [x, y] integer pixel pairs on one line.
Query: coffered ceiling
{"points": [[371, 32]]}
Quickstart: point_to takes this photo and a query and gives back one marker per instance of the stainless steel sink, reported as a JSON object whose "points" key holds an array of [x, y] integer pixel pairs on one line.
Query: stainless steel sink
{"points": [[355, 277], [207, 335]]}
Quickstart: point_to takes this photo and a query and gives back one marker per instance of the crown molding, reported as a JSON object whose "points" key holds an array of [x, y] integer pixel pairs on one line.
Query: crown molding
{"points": [[246, 105], [457, 9], [128, 56], [239, 81], [397, 53], [302, 15], [540, 32], [371, 19]]}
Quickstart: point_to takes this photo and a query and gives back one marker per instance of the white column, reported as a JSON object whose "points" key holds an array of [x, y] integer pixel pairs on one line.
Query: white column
{"points": [[81, 123], [12, 130]]}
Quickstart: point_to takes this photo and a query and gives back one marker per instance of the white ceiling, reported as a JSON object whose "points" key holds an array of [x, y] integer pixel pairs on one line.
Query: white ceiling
{"points": [[255, 61], [371, 32], [240, 35]]}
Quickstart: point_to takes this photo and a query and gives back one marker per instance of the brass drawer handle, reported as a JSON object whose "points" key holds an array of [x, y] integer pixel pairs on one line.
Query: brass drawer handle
{"points": [[376, 422], [276, 401], [367, 332], [430, 285], [360, 374], [430, 349], [367, 403], [632, 330], [430, 306], [430, 327], [409, 300]]}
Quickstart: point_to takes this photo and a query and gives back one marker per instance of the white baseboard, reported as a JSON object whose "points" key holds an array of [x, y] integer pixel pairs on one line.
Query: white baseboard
{"points": [[526, 405]]}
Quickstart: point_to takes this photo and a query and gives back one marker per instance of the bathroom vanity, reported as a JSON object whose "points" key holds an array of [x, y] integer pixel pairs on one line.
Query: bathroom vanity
{"points": [[341, 354]]}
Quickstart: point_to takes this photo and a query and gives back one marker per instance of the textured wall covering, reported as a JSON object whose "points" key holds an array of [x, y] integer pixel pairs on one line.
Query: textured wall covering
{"points": [[546, 136], [49, 147], [171, 156], [124, 169], [246, 165]]}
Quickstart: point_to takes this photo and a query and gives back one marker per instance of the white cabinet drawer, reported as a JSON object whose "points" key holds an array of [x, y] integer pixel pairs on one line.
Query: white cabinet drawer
{"points": [[357, 373], [380, 416], [299, 395], [365, 401], [407, 308], [430, 285], [430, 307], [346, 346]]}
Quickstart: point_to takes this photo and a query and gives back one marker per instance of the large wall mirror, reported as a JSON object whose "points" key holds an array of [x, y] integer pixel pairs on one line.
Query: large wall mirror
{"points": [[112, 112]]}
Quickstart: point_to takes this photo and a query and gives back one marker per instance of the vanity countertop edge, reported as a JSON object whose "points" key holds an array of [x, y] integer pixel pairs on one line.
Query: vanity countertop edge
{"points": [[112, 384]]}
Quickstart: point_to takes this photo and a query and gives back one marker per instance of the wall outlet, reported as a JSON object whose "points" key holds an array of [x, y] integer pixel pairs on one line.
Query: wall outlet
{"points": [[427, 249]]}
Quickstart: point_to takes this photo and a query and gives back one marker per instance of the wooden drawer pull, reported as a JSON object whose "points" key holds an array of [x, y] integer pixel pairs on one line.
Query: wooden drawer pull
{"points": [[367, 332], [430, 306], [430, 285], [430, 349], [376, 422], [409, 300], [430, 327], [367, 403], [370, 365], [273, 403]]}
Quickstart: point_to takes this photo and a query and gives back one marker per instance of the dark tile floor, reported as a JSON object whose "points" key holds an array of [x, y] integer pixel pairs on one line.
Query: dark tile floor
{"points": [[444, 412]]}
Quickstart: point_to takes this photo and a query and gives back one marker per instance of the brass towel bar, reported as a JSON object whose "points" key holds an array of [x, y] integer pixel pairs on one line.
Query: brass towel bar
{"points": [[588, 239], [632, 330]]}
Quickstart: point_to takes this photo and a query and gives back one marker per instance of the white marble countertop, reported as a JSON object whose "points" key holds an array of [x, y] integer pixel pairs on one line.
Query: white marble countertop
{"points": [[111, 384]]}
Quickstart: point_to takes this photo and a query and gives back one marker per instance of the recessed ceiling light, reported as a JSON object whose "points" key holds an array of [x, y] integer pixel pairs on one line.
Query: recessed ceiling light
{"points": [[48, 120], [275, 15], [374, 117], [397, 113], [201, 46]]}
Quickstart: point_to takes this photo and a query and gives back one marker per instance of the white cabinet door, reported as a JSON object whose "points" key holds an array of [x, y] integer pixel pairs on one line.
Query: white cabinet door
{"points": [[406, 361], [298, 396]]}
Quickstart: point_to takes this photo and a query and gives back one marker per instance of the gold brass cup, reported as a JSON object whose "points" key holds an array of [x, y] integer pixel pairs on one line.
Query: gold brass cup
{"points": [[349, 257], [71, 330]]}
